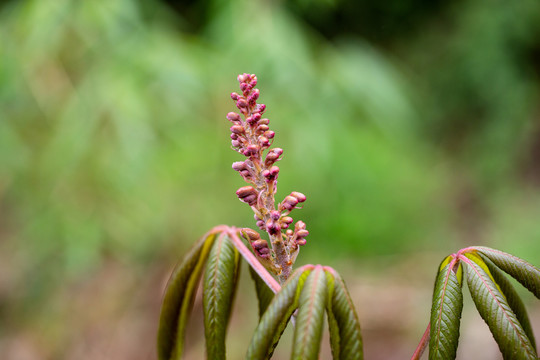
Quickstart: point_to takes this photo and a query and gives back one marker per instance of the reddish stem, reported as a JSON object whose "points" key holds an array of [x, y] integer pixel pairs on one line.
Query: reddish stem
{"points": [[422, 345], [252, 260]]}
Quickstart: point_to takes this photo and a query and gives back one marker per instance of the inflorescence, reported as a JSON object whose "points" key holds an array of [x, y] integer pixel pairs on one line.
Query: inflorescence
{"points": [[252, 137]]}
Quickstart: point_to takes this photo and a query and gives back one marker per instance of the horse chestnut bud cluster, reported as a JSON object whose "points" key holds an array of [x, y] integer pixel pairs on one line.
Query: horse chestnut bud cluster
{"points": [[251, 136]]}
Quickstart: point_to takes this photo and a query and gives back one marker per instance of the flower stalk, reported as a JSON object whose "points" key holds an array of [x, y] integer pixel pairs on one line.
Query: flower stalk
{"points": [[251, 136]]}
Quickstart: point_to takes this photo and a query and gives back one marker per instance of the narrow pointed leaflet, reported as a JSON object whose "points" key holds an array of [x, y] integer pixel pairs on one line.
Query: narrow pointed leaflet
{"points": [[178, 300], [527, 274], [310, 319], [514, 301], [276, 316], [333, 326], [347, 341], [446, 311], [220, 282]]}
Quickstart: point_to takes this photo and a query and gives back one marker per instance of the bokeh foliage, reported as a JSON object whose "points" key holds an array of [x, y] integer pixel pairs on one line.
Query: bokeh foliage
{"points": [[114, 143]]}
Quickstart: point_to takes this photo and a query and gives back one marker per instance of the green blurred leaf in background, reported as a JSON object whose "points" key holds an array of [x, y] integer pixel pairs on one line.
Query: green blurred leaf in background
{"points": [[114, 145]]}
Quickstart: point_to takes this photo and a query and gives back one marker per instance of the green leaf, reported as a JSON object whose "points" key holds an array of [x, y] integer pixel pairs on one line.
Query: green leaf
{"points": [[264, 293], [496, 312], [527, 274], [276, 317], [344, 313], [220, 282], [310, 319], [178, 300], [332, 322], [513, 299], [446, 313]]}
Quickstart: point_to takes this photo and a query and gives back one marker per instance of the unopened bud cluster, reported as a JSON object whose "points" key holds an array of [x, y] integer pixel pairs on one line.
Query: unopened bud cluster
{"points": [[252, 137]]}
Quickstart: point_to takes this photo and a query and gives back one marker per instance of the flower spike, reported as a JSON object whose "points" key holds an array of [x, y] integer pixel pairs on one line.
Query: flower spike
{"points": [[251, 136]]}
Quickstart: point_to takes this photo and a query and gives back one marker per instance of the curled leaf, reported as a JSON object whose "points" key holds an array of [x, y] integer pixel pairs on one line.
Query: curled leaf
{"points": [[345, 334], [496, 312], [513, 299], [446, 312], [178, 300], [220, 282], [310, 319], [276, 317], [333, 326], [527, 274]]}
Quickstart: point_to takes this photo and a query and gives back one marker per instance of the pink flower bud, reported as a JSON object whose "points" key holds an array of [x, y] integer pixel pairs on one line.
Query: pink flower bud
{"points": [[270, 158], [242, 104], [245, 191], [245, 174], [273, 156], [248, 195], [246, 90], [273, 227], [302, 233], [299, 196], [271, 174], [287, 219], [251, 150], [243, 77], [251, 200], [264, 121], [238, 129], [250, 234], [269, 134], [274, 171], [235, 96], [259, 244], [252, 99], [253, 119], [260, 247], [235, 143], [289, 203], [264, 142], [300, 225], [262, 128], [275, 215], [239, 165], [260, 108], [234, 117]]}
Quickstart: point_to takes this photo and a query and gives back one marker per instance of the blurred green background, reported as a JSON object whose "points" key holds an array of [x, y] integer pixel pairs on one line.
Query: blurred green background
{"points": [[412, 126]]}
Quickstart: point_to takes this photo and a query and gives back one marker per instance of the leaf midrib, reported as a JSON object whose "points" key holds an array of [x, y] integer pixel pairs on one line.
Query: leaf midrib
{"points": [[311, 301], [441, 306], [214, 285]]}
